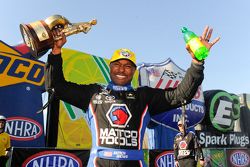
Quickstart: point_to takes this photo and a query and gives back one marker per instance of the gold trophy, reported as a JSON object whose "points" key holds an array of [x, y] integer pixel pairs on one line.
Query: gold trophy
{"points": [[38, 35]]}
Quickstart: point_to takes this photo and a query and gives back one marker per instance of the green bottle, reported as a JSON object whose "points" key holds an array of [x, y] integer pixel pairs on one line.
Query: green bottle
{"points": [[200, 51]]}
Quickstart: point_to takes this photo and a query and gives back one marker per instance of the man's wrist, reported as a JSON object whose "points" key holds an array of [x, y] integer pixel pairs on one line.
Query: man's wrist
{"points": [[195, 61], [56, 51]]}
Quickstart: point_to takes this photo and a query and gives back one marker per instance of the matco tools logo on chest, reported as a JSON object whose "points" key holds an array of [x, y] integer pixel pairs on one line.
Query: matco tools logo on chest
{"points": [[119, 115]]}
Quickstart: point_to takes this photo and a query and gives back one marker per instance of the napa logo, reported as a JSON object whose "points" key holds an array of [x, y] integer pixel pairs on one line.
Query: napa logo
{"points": [[23, 129], [165, 159], [53, 159], [15, 69], [240, 159]]}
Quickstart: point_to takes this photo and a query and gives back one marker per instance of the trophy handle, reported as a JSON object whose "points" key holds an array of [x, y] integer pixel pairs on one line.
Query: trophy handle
{"points": [[76, 28]]}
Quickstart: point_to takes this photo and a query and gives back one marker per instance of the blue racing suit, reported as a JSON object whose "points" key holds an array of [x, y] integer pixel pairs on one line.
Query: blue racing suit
{"points": [[118, 118]]}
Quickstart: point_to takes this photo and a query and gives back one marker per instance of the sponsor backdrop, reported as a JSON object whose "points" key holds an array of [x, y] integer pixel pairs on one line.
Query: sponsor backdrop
{"points": [[219, 117], [163, 126], [21, 88]]}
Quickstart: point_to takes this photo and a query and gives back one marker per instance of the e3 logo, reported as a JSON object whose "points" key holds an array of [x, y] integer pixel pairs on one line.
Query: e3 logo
{"points": [[224, 110]]}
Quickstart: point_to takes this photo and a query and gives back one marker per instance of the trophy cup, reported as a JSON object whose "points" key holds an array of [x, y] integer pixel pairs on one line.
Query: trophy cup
{"points": [[38, 35]]}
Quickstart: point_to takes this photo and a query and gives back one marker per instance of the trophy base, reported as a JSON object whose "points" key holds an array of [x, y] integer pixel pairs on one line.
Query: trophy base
{"points": [[38, 37]]}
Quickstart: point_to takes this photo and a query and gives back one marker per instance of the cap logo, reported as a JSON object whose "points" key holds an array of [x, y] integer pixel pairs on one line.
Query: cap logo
{"points": [[125, 53]]}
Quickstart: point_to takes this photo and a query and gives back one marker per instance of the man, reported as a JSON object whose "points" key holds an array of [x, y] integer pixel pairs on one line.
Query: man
{"points": [[187, 148], [118, 114], [4, 142]]}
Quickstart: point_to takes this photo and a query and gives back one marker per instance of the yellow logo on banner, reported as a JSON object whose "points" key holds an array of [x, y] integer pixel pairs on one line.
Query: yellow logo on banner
{"points": [[15, 69]]}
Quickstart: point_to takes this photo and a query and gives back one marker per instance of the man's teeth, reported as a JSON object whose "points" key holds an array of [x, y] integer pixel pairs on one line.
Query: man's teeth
{"points": [[120, 76]]}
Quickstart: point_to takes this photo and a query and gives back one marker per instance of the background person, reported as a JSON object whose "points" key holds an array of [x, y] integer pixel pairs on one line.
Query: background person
{"points": [[117, 113], [5, 144], [187, 149]]}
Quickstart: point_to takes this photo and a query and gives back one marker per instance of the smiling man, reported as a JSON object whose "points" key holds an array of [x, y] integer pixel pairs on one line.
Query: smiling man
{"points": [[117, 113]]}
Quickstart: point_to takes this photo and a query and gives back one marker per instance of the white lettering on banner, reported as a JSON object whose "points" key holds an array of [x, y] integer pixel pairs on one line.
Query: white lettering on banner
{"points": [[177, 117], [183, 152], [214, 140], [118, 137], [224, 109], [195, 107], [57, 161], [238, 140], [223, 140], [22, 128]]}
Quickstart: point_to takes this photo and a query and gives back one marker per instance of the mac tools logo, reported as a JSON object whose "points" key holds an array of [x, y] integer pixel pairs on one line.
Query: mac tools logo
{"points": [[119, 115]]}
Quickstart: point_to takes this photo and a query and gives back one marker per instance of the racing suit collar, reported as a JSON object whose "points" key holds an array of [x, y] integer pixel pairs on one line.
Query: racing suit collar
{"points": [[112, 86]]}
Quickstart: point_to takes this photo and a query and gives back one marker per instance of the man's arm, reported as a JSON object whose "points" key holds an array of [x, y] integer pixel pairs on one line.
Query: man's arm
{"points": [[198, 150], [76, 94]]}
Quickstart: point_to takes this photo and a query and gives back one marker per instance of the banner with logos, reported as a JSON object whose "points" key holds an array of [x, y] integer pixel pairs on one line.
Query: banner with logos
{"points": [[27, 157], [163, 127], [21, 88], [81, 68]]}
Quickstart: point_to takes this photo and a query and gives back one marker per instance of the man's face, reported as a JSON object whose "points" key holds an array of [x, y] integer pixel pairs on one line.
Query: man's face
{"points": [[2, 123], [181, 128], [122, 72]]}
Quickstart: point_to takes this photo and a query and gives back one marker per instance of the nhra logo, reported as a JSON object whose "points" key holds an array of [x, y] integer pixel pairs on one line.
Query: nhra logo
{"points": [[119, 115], [183, 145], [240, 158], [52, 158], [166, 159], [23, 129]]}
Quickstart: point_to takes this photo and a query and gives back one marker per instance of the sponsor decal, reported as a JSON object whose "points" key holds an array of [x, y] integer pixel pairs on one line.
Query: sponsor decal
{"points": [[125, 53], [183, 145], [53, 158], [165, 159], [240, 159], [23, 128], [118, 115], [119, 137]]}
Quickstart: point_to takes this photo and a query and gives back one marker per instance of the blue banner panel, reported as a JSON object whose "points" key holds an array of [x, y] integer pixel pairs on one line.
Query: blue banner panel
{"points": [[21, 88]]}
